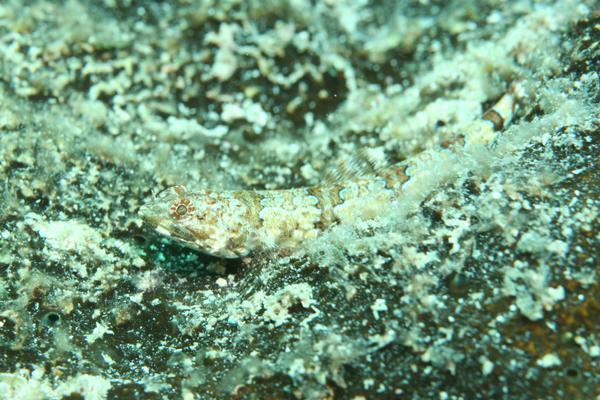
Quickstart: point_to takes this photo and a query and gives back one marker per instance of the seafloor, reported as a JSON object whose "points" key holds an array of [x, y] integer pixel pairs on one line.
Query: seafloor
{"points": [[482, 283]]}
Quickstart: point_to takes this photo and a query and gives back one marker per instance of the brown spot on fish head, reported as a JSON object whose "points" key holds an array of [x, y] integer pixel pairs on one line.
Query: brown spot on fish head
{"points": [[182, 208]]}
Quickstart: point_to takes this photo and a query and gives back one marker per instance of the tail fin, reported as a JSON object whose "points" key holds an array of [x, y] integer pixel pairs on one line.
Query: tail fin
{"points": [[497, 117]]}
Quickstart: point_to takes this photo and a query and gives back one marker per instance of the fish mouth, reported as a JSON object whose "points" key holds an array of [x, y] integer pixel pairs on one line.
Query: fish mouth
{"points": [[164, 226], [153, 223], [149, 217]]}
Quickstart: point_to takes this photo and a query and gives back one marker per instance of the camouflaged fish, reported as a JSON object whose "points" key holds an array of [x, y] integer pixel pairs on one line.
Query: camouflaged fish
{"points": [[234, 224]]}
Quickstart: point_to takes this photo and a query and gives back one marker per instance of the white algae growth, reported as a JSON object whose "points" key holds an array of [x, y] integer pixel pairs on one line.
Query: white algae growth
{"points": [[478, 280]]}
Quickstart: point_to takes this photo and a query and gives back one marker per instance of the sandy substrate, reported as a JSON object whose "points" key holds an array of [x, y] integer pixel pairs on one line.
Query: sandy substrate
{"points": [[480, 282]]}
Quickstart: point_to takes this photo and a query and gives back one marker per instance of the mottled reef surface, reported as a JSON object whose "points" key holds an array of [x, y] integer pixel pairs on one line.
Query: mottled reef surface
{"points": [[482, 283]]}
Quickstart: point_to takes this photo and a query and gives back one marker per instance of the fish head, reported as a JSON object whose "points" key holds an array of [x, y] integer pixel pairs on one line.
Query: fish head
{"points": [[214, 223]]}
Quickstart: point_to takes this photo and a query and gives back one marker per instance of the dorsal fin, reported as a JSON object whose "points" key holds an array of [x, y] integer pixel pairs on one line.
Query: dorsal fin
{"points": [[367, 161], [375, 157]]}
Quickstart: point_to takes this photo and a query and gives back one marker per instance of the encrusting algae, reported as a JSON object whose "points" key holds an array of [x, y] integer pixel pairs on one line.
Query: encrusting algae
{"points": [[468, 268]]}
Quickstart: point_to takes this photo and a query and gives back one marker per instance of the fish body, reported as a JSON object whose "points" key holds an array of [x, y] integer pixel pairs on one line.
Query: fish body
{"points": [[233, 224]]}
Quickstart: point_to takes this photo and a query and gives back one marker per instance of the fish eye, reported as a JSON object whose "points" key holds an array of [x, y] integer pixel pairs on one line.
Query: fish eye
{"points": [[181, 210]]}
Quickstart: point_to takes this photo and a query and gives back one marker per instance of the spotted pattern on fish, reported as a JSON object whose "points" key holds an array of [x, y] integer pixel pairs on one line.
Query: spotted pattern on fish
{"points": [[234, 224]]}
